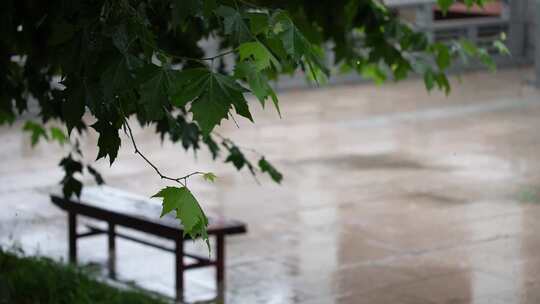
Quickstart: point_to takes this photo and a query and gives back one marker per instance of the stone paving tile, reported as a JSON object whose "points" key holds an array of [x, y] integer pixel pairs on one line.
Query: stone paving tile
{"points": [[390, 195]]}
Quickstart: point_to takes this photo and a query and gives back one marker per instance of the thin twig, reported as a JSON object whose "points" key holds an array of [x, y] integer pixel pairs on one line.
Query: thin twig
{"points": [[219, 55], [226, 139], [200, 60], [181, 180]]}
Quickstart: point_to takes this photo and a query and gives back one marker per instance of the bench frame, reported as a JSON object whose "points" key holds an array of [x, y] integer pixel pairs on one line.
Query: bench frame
{"points": [[114, 219]]}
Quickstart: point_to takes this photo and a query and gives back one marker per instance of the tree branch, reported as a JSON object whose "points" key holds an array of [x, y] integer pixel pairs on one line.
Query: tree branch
{"points": [[181, 180], [201, 60], [219, 55], [226, 139]]}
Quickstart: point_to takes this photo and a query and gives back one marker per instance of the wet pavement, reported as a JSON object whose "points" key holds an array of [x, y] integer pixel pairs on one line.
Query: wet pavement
{"points": [[391, 195]]}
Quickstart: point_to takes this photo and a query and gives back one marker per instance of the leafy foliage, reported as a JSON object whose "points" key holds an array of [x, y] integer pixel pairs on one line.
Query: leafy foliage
{"points": [[107, 63]]}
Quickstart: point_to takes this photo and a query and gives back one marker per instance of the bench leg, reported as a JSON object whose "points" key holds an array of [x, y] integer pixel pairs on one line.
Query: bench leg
{"points": [[180, 269], [220, 266], [112, 251], [72, 237]]}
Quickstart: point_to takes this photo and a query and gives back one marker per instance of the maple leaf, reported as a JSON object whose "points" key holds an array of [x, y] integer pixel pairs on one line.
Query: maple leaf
{"points": [[261, 56], [265, 166], [74, 106], [182, 9], [70, 185], [259, 22], [234, 24], [108, 141], [187, 208], [212, 96], [119, 76], [297, 45], [155, 91], [258, 83], [97, 176]]}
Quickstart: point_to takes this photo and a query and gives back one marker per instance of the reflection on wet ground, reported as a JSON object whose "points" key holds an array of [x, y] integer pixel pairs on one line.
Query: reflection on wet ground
{"points": [[390, 195]]}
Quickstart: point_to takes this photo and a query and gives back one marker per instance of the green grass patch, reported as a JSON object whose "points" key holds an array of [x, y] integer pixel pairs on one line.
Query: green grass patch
{"points": [[26, 280]]}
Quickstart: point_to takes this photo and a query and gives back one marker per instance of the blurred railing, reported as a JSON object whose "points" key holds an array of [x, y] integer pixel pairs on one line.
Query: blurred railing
{"points": [[482, 30]]}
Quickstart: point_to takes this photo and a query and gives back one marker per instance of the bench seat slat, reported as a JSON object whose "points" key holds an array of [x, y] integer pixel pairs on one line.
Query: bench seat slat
{"points": [[132, 211]]}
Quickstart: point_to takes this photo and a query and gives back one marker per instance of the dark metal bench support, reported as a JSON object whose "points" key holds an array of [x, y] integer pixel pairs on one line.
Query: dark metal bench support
{"points": [[112, 251], [179, 269], [72, 237], [218, 262], [220, 265]]}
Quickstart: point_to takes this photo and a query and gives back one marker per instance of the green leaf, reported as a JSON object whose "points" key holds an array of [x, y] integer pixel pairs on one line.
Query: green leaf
{"points": [[97, 176], [501, 47], [442, 82], [70, 185], [123, 37], [401, 69], [188, 85], [187, 208], [429, 79], [260, 55], [217, 94], [294, 41], [236, 157], [208, 8], [182, 9], [209, 109], [58, 135], [351, 11], [374, 72], [212, 146], [234, 24], [297, 45], [265, 166], [442, 53], [74, 106], [259, 23], [473, 51], [209, 176], [469, 47], [258, 83], [70, 165], [486, 59], [108, 141], [7, 114], [36, 130], [120, 76], [445, 4], [155, 91]]}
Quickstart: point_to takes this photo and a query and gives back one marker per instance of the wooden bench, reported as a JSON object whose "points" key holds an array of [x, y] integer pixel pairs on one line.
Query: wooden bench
{"points": [[121, 209]]}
